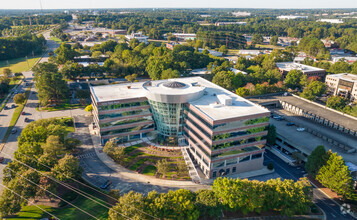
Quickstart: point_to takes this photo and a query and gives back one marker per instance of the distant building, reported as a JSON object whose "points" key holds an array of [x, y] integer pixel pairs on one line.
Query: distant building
{"points": [[289, 17], [171, 45], [212, 52], [342, 84], [328, 43], [347, 59], [182, 36], [200, 72], [230, 23], [139, 36], [241, 14], [332, 21], [235, 71], [206, 16], [249, 52], [309, 71]]}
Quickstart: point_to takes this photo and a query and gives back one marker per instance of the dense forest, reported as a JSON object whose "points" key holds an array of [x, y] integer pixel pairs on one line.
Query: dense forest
{"points": [[21, 46]]}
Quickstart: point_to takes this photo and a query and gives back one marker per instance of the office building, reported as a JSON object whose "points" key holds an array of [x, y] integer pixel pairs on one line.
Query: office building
{"points": [[342, 84], [225, 133], [309, 71]]}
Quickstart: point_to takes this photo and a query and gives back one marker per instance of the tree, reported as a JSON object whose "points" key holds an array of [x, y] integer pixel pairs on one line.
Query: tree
{"points": [[131, 78], [169, 74], [65, 53], [257, 39], [162, 166], [7, 72], [271, 136], [20, 98], [67, 167], [223, 49], [89, 108], [294, 79], [53, 146], [128, 205], [182, 169], [337, 102], [96, 54], [336, 176], [316, 160], [208, 203], [274, 40], [49, 83], [224, 79]]}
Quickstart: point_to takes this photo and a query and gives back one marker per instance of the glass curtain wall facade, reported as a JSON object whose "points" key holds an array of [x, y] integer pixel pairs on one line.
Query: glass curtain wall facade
{"points": [[168, 118]]}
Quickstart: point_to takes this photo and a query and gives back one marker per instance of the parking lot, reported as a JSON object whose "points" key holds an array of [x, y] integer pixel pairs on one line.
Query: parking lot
{"points": [[288, 128]]}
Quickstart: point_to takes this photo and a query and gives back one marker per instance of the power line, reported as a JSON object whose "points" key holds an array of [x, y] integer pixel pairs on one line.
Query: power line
{"points": [[29, 201], [33, 159], [53, 194], [78, 191]]}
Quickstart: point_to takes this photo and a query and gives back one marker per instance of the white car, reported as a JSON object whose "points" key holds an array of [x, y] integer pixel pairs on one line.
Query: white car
{"points": [[300, 129]]}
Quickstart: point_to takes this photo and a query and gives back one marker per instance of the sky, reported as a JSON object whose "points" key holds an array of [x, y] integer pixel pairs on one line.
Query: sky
{"points": [[70, 4]]}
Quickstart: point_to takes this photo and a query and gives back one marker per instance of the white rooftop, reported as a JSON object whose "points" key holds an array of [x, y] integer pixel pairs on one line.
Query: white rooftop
{"points": [[287, 66], [345, 76], [204, 95]]}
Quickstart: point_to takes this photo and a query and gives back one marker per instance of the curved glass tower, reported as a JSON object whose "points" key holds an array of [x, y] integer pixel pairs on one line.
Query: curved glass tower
{"points": [[168, 118]]}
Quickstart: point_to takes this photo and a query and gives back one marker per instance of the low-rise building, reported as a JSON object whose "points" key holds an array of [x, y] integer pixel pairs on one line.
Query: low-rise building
{"points": [[241, 14], [182, 36], [332, 21], [309, 71], [139, 36], [249, 52], [289, 17], [347, 59], [212, 52], [342, 84], [230, 23], [225, 133]]}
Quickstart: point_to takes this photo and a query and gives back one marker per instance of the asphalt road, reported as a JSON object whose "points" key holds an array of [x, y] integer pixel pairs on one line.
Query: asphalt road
{"points": [[30, 112], [331, 209]]}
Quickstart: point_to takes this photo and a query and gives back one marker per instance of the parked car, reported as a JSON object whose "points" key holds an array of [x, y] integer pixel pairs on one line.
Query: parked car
{"points": [[13, 106], [2, 159], [290, 124], [27, 84], [27, 119], [13, 131], [6, 108], [300, 129], [23, 113], [106, 184]]}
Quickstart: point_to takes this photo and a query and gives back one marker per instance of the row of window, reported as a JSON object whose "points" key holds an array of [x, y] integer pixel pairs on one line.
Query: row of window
{"points": [[122, 114], [124, 130], [127, 121], [123, 105], [236, 160], [237, 142]]}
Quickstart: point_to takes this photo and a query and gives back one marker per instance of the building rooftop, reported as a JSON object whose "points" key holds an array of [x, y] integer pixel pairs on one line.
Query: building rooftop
{"points": [[212, 100], [345, 76], [287, 66]]}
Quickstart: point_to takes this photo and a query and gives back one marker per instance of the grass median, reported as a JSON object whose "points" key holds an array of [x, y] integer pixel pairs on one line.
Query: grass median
{"points": [[16, 115]]}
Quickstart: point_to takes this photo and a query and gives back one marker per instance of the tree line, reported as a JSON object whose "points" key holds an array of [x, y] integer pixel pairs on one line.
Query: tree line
{"points": [[229, 195], [43, 156], [21, 46]]}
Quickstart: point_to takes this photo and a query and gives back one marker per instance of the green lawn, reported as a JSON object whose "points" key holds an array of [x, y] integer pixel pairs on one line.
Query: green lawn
{"points": [[353, 112], [18, 65], [32, 212], [150, 170], [57, 40], [132, 148], [68, 211], [63, 106], [137, 164]]}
